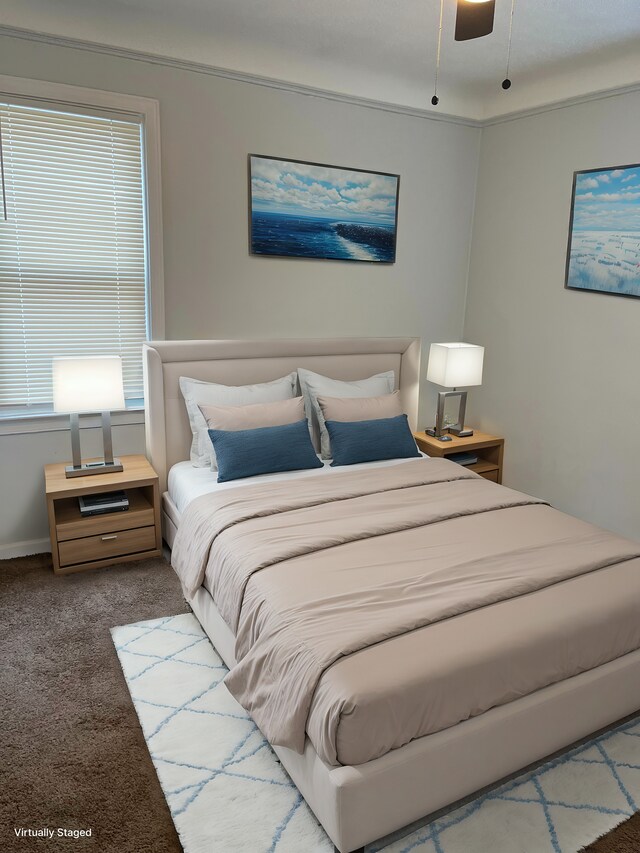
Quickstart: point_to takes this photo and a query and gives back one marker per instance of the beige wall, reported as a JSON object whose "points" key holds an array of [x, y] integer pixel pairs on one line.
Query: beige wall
{"points": [[562, 367], [213, 287]]}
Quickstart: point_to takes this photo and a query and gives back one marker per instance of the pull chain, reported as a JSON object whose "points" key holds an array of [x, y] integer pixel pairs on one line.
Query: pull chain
{"points": [[506, 83], [435, 100]]}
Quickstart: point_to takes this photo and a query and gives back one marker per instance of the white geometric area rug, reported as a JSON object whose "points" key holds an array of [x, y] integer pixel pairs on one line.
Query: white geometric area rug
{"points": [[228, 793]]}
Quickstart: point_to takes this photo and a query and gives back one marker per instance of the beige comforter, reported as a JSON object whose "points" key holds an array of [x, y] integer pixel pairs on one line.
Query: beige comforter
{"points": [[379, 574]]}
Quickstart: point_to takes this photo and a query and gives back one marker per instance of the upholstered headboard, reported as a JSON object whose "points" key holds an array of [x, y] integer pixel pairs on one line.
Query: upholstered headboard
{"points": [[168, 433]]}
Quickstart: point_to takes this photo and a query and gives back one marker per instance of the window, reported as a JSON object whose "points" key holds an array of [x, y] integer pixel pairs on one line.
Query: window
{"points": [[73, 264]]}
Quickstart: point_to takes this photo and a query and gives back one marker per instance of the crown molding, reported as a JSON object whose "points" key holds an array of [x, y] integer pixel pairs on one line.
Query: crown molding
{"points": [[310, 91], [561, 104], [239, 76]]}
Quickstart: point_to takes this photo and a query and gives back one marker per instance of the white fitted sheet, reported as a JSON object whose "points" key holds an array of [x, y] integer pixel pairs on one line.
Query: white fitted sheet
{"points": [[186, 483]]}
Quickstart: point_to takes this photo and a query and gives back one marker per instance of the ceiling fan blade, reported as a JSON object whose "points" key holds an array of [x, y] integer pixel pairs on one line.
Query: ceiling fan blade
{"points": [[474, 19]]}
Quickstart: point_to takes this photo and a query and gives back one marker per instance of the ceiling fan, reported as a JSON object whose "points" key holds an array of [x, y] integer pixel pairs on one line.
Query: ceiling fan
{"points": [[474, 19]]}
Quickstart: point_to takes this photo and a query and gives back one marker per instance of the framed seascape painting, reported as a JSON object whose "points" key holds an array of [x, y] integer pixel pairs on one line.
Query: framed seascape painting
{"points": [[603, 254], [307, 210]]}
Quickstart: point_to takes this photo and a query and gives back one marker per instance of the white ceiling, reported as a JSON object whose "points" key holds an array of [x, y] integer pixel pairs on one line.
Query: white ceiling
{"points": [[380, 49]]}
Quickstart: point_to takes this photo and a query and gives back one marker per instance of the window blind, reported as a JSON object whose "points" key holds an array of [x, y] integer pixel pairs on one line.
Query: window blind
{"points": [[72, 251]]}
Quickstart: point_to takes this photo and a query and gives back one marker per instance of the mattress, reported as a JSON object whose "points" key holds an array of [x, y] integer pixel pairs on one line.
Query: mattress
{"points": [[186, 483], [395, 690]]}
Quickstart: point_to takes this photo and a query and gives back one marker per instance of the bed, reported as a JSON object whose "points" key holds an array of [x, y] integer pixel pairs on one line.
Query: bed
{"points": [[482, 690]]}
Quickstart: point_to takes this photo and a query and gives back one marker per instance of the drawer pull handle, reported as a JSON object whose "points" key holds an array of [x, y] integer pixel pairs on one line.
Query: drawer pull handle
{"points": [[114, 536]]}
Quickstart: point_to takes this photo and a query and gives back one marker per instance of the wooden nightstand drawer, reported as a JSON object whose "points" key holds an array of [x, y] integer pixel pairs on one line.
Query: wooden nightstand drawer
{"points": [[107, 545], [489, 475]]}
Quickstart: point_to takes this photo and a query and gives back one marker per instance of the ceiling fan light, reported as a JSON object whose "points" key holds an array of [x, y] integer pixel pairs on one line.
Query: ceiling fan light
{"points": [[474, 19]]}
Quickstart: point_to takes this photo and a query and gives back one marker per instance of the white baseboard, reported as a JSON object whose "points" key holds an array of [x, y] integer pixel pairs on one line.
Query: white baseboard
{"points": [[24, 549]]}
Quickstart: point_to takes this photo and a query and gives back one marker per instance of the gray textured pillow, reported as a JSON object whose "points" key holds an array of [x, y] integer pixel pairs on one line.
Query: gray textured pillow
{"points": [[197, 393], [361, 408], [315, 385]]}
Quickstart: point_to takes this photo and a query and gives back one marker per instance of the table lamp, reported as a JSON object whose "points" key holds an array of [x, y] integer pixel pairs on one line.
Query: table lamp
{"points": [[83, 385], [453, 365]]}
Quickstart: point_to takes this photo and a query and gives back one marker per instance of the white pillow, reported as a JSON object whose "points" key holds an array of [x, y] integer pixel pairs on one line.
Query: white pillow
{"points": [[314, 385], [196, 393]]}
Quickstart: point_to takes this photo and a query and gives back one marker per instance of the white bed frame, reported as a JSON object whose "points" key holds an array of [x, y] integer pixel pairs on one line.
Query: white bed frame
{"points": [[357, 805]]}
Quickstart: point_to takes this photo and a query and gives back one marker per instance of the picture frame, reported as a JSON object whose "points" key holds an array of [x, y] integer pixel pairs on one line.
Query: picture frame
{"points": [[603, 250], [302, 209]]}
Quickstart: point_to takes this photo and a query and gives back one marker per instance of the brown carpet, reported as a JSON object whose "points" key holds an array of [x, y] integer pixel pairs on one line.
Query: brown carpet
{"points": [[624, 838], [72, 753]]}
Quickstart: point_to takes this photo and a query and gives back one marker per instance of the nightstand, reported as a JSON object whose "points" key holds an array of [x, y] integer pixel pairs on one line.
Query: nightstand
{"points": [[79, 543], [488, 448]]}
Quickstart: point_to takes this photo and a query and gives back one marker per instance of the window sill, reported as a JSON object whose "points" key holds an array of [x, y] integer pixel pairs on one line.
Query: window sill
{"points": [[50, 422]]}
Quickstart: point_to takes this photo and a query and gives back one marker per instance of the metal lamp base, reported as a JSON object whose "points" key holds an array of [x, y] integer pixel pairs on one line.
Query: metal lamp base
{"points": [[108, 465], [458, 429], [461, 432], [89, 468]]}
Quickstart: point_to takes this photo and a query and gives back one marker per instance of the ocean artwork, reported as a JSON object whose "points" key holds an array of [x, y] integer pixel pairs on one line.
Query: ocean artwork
{"points": [[604, 236], [306, 210]]}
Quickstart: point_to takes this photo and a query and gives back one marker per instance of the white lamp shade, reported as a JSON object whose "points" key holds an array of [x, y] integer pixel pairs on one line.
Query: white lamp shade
{"points": [[455, 365], [88, 384]]}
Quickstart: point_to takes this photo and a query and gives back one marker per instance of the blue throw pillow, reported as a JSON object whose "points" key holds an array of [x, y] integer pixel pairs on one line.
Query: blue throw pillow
{"points": [[267, 450], [371, 441]]}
